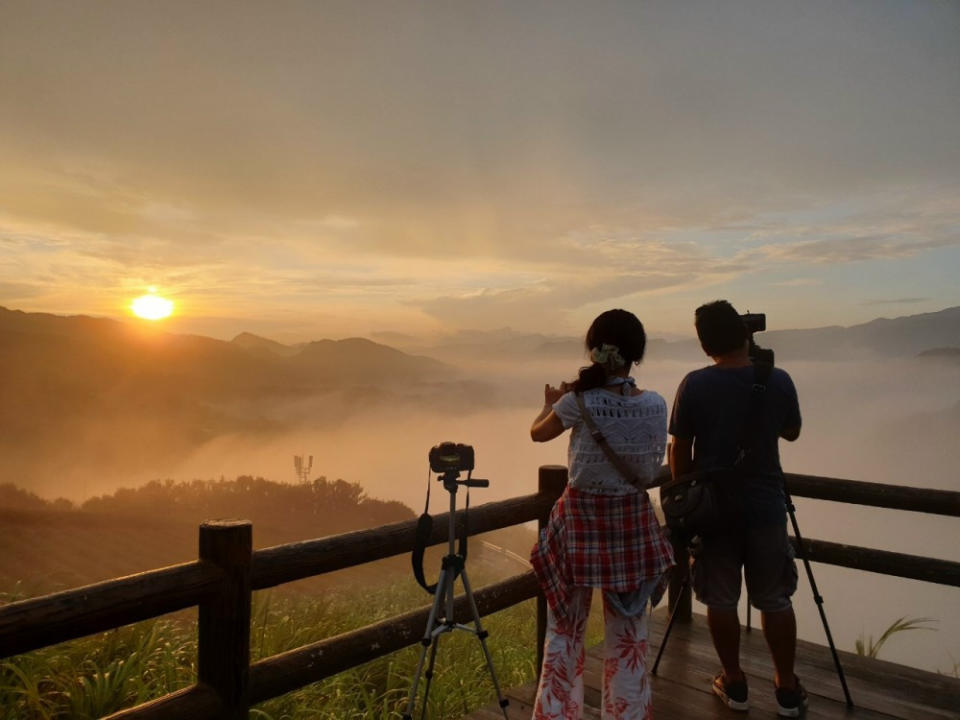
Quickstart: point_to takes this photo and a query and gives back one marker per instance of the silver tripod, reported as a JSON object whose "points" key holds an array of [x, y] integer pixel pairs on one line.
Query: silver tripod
{"points": [[442, 615]]}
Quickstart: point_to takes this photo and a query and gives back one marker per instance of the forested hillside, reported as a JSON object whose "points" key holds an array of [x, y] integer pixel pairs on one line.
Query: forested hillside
{"points": [[45, 546]]}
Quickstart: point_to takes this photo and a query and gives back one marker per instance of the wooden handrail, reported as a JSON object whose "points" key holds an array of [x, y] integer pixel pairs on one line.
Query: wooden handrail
{"points": [[914, 567], [288, 671], [197, 702], [858, 492], [34, 623], [294, 561], [896, 497]]}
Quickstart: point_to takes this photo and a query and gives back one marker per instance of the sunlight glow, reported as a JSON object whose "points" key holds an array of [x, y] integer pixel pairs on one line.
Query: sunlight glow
{"points": [[151, 307]]}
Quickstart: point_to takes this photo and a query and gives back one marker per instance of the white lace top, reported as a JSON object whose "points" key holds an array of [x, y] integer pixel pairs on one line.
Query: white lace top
{"points": [[635, 426]]}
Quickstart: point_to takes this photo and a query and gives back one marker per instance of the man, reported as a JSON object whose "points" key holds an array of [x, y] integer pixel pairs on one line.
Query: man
{"points": [[712, 407]]}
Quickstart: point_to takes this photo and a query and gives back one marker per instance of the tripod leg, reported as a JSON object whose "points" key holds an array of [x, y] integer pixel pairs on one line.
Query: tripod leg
{"points": [[426, 641], [666, 633], [429, 676], [482, 635], [818, 600]]}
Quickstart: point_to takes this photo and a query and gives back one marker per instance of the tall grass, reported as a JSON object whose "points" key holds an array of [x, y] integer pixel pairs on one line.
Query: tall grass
{"points": [[867, 647], [379, 689], [98, 675]]}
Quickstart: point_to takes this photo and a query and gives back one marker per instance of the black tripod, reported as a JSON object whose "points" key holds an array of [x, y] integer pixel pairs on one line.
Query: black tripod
{"points": [[818, 599], [441, 619]]}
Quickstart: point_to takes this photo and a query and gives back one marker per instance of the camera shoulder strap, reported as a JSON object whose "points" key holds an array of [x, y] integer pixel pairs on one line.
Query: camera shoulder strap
{"points": [[752, 422], [618, 462], [424, 531]]}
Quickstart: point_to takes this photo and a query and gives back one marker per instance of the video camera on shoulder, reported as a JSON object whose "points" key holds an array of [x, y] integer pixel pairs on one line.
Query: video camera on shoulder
{"points": [[754, 323]]}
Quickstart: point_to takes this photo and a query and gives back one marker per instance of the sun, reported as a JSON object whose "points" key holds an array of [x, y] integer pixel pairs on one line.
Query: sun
{"points": [[152, 307]]}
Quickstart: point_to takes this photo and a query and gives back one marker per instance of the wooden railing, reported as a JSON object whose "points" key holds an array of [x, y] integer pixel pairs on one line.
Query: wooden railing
{"points": [[221, 582], [896, 497]]}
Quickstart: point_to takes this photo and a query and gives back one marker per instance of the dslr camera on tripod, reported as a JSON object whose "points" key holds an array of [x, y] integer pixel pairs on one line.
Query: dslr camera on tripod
{"points": [[447, 460], [451, 457]]}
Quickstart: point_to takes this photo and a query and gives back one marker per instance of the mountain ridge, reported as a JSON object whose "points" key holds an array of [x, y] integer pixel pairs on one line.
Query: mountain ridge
{"points": [[927, 328], [904, 336], [98, 393]]}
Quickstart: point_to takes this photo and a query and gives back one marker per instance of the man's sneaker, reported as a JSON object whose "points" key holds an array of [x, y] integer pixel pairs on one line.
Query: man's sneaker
{"points": [[734, 695], [791, 703]]}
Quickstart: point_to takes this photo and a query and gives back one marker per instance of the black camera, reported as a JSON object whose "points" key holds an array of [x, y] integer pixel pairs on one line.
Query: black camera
{"points": [[451, 457], [754, 323]]}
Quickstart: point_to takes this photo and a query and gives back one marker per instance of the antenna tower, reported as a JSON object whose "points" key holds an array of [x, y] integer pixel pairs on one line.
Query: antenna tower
{"points": [[303, 466]]}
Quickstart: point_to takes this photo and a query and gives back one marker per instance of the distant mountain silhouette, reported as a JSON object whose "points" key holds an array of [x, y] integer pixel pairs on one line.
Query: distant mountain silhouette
{"points": [[353, 358], [941, 354], [256, 344], [88, 350], [360, 358], [88, 391], [950, 352], [900, 337]]}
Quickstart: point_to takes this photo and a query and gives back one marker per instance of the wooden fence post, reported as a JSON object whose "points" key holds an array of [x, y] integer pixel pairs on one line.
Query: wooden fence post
{"points": [[551, 482], [223, 633]]}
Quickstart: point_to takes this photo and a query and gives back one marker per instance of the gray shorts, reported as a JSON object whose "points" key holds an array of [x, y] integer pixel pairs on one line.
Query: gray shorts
{"points": [[767, 559]]}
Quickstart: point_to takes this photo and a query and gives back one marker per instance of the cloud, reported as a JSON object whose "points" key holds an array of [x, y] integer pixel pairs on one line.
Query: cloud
{"points": [[891, 225], [465, 165], [799, 282], [413, 118], [539, 305], [15, 292], [856, 249]]}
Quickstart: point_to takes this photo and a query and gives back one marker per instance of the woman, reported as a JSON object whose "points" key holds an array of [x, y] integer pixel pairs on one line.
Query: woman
{"points": [[602, 532]]}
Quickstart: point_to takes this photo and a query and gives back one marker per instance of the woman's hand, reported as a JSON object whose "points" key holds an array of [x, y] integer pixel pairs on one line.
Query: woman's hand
{"points": [[547, 425], [552, 394]]}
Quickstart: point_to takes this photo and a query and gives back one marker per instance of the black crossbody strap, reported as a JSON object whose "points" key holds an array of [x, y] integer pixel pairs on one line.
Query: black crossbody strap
{"points": [[753, 421], [618, 462]]}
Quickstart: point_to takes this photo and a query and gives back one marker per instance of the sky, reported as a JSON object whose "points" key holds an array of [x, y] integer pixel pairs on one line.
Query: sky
{"points": [[328, 169]]}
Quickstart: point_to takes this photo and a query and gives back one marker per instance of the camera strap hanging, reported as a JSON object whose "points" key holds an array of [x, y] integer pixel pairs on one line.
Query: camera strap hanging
{"points": [[425, 532], [752, 424]]}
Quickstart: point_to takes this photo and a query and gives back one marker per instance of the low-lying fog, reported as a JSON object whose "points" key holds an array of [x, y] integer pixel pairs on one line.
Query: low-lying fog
{"points": [[892, 421]]}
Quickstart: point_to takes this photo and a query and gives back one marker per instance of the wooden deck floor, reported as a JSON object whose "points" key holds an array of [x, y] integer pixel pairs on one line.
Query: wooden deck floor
{"points": [[681, 689]]}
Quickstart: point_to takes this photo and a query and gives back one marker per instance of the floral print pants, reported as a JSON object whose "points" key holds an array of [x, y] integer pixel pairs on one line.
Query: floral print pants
{"points": [[626, 690]]}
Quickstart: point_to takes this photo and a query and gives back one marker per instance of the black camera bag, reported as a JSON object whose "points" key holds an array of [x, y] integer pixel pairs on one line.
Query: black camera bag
{"points": [[705, 501], [692, 503]]}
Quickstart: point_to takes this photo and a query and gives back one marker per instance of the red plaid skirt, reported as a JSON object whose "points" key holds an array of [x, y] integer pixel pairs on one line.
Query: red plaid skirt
{"points": [[613, 542]]}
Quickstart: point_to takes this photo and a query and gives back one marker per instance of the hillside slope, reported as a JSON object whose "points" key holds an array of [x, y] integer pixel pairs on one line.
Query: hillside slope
{"points": [[114, 397], [46, 546]]}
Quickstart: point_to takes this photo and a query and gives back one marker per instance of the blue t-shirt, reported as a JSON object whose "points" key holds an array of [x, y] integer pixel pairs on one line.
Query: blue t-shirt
{"points": [[710, 408]]}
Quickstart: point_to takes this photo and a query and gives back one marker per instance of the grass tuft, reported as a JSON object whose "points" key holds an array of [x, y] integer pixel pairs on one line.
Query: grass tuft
{"points": [[868, 648]]}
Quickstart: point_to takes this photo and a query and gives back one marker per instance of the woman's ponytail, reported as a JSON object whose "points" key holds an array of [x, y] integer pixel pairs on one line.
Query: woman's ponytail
{"points": [[615, 339], [591, 376]]}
